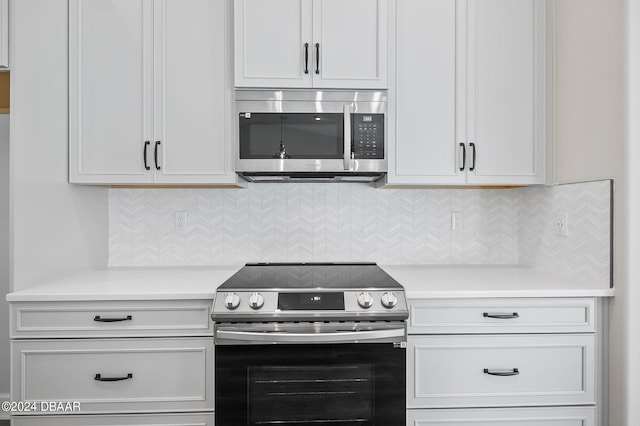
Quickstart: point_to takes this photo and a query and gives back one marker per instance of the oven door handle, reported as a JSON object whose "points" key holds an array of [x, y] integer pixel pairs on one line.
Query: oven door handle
{"points": [[258, 337]]}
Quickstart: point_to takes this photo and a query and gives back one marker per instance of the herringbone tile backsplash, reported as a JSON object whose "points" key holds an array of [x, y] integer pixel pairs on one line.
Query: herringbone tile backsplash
{"points": [[355, 222], [586, 252], [310, 222]]}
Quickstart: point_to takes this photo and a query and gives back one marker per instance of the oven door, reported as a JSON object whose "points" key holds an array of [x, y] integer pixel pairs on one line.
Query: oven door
{"points": [[283, 380]]}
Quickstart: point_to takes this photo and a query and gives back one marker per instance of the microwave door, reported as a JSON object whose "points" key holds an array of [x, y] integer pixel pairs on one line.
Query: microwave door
{"points": [[292, 142]]}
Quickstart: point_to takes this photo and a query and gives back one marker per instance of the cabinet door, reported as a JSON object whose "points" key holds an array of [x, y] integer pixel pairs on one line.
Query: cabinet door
{"points": [[110, 90], [192, 97], [544, 416], [4, 33], [103, 319], [117, 375], [501, 370], [429, 57], [165, 419], [503, 315], [506, 114], [350, 44], [270, 38]]}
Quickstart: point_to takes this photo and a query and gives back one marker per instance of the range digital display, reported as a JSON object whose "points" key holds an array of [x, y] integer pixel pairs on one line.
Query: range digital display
{"points": [[311, 301]]}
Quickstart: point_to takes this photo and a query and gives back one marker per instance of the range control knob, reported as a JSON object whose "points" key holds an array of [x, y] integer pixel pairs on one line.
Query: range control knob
{"points": [[365, 300], [232, 301], [256, 301], [389, 300]]}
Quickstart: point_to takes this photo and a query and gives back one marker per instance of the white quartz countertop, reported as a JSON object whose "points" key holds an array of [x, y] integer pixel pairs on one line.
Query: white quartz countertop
{"points": [[130, 284], [439, 281], [201, 283]]}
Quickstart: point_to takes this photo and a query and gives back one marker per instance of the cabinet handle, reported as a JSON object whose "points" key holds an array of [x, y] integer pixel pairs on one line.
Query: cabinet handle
{"points": [[155, 155], [501, 316], [473, 163], [464, 156], [502, 373], [144, 155], [317, 58], [112, 379], [306, 58], [98, 318]]}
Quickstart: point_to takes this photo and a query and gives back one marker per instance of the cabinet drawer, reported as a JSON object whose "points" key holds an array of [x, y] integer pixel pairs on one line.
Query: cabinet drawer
{"points": [[111, 319], [563, 416], [156, 374], [184, 419], [464, 371], [522, 315]]}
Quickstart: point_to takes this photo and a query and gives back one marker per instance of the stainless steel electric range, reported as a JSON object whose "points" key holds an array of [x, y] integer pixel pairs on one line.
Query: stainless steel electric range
{"points": [[310, 343]]}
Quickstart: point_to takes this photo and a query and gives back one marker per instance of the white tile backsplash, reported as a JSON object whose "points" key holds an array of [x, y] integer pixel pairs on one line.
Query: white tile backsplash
{"points": [[355, 222], [586, 252], [310, 222]]}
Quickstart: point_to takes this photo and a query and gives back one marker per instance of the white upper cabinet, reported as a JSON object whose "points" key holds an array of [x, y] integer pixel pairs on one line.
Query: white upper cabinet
{"points": [[506, 115], [193, 95], [427, 96], [150, 92], [273, 43], [350, 41], [311, 43], [4, 33], [470, 99], [110, 90]]}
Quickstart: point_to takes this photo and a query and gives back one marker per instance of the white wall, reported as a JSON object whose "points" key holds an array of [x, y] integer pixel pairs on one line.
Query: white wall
{"points": [[4, 254], [633, 196], [589, 143], [57, 228], [589, 89]]}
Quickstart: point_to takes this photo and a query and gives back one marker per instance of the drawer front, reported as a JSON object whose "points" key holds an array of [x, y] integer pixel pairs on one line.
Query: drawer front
{"points": [[156, 374], [469, 316], [564, 416], [497, 371], [185, 419], [111, 319]]}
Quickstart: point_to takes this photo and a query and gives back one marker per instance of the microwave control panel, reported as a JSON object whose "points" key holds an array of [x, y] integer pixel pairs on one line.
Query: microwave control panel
{"points": [[368, 136]]}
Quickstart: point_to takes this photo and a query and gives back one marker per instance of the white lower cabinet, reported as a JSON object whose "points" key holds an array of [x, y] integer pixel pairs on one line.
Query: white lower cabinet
{"points": [[118, 420], [508, 370], [128, 363], [133, 375], [506, 361], [581, 416], [130, 318]]}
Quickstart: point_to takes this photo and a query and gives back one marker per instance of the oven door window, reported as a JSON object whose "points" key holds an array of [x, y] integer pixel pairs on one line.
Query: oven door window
{"points": [[348, 384], [303, 136], [281, 394]]}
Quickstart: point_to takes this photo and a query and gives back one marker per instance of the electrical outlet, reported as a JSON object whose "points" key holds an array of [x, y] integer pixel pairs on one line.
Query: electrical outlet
{"points": [[562, 225], [456, 221], [180, 221]]}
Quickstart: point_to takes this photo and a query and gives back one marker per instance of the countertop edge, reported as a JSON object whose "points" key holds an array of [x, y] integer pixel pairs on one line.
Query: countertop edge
{"points": [[419, 281], [508, 294], [61, 297]]}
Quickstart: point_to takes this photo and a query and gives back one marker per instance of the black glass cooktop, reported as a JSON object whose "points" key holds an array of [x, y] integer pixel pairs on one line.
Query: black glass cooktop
{"points": [[310, 275]]}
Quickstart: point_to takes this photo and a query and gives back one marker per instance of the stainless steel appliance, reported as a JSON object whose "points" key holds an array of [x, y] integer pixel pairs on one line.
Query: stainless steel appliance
{"points": [[329, 136], [303, 344]]}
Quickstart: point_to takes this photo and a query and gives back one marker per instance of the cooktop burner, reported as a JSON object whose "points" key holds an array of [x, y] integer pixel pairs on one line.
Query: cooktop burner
{"points": [[310, 292], [261, 276]]}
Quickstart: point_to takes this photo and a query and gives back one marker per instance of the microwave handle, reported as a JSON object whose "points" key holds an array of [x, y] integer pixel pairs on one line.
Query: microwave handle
{"points": [[347, 137]]}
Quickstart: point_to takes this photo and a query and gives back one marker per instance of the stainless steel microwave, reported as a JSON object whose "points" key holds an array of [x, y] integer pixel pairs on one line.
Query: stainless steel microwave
{"points": [[328, 136]]}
